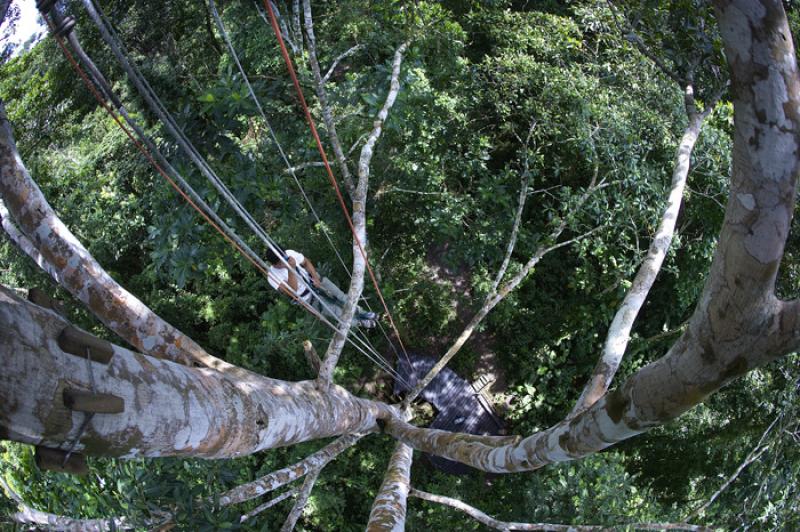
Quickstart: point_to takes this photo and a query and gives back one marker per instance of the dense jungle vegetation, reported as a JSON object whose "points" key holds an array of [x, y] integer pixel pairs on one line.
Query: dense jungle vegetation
{"points": [[478, 77]]}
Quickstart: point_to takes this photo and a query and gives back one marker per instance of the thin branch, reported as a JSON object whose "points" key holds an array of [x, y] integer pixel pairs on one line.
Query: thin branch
{"points": [[303, 166], [281, 477], [523, 196], [269, 504], [300, 503], [377, 127], [505, 525], [496, 296], [754, 455], [322, 96], [338, 60]]}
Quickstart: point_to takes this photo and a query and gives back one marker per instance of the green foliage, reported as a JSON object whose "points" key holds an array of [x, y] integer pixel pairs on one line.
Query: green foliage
{"points": [[443, 191]]}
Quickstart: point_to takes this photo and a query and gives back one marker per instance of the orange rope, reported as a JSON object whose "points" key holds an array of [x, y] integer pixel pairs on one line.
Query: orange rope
{"points": [[90, 85], [160, 170], [331, 178]]}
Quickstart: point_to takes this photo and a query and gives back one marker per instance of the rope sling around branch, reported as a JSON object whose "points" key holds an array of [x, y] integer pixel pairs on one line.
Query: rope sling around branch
{"points": [[276, 30], [203, 209]]}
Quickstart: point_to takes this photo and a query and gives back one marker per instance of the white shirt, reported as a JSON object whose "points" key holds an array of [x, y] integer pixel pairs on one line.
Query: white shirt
{"points": [[280, 275]]}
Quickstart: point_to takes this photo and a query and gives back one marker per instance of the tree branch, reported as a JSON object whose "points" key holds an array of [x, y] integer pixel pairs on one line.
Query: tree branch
{"points": [[288, 474], [754, 455], [497, 295], [300, 503], [619, 331], [359, 217], [322, 96], [27, 515], [339, 59], [24, 243], [194, 412], [80, 274], [504, 525], [269, 504], [523, 196]]}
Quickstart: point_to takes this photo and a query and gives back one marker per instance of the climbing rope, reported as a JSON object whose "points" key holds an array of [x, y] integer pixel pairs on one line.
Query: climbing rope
{"points": [[290, 168], [331, 178], [225, 231]]}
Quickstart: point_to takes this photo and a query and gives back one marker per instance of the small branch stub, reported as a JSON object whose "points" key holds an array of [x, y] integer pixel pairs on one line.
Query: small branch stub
{"points": [[98, 403], [75, 342], [54, 460]]}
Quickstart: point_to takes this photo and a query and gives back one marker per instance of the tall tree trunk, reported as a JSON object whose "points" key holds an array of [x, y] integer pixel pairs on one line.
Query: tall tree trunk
{"points": [[738, 324], [389, 509], [169, 409]]}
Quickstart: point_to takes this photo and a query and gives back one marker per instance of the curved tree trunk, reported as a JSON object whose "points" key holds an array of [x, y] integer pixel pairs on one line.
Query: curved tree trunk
{"points": [[77, 271]]}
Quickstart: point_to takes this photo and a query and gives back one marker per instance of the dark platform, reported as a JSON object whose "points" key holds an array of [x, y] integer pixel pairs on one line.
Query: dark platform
{"points": [[459, 407]]}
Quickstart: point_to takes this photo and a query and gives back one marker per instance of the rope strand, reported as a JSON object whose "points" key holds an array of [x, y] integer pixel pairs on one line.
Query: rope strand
{"points": [[331, 178]]}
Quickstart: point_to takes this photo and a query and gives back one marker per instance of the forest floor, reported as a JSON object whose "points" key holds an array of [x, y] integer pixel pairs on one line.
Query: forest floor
{"points": [[488, 368]]}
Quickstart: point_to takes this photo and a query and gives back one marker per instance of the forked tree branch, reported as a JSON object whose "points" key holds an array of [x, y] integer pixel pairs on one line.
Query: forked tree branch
{"points": [[341, 57], [738, 324], [269, 504], [288, 474], [497, 294]]}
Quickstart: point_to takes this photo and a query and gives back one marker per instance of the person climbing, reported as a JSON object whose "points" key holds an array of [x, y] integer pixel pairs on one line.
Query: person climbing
{"points": [[300, 281]]}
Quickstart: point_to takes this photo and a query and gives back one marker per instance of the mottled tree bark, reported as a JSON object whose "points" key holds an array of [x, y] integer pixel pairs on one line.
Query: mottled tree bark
{"points": [[79, 273], [389, 509], [739, 323], [169, 409], [24, 243]]}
